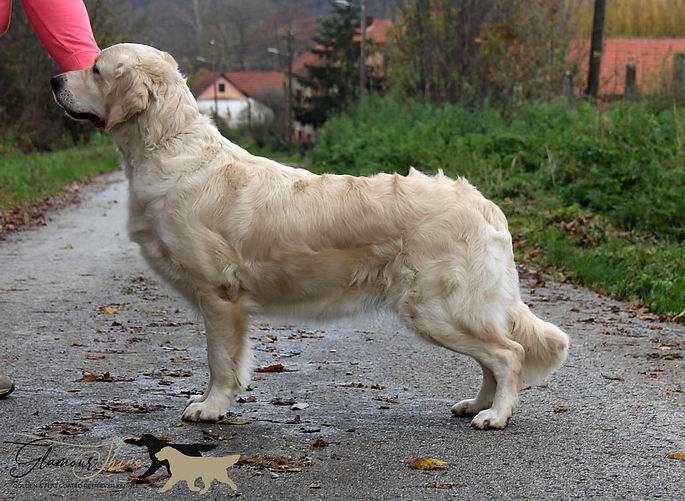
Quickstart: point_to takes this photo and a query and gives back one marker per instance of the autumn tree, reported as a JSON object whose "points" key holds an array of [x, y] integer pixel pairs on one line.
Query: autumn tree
{"points": [[526, 48], [433, 49]]}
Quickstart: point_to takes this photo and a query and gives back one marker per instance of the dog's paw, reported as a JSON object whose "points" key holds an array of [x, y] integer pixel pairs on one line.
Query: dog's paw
{"points": [[210, 411], [195, 398], [490, 419], [469, 407]]}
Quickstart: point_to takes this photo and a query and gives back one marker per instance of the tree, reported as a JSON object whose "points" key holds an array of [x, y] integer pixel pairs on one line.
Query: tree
{"points": [[433, 50], [526, 47], [476, 49], [334, 80]]}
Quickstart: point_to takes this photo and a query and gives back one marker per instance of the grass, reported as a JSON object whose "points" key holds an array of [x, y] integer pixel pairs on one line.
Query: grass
{"points": [[25, 178], [596, 195]]}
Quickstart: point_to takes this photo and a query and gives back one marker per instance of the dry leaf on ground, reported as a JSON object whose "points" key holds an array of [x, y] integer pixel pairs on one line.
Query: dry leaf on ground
{"points": [[235, 421], [95, 376], [282, 463], [212, 436], [676, 455], [427, 464], [319, 442], [108, 310], [67, 428], [272, 368]]}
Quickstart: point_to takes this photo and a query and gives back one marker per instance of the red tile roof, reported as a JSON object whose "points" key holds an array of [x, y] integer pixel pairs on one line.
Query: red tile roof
{"points": [[651, 56], [255, 82], [205, 80], [377, 31], [306, 58]]}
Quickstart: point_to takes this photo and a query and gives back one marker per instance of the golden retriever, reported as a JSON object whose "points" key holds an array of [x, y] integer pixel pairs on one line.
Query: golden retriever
{"points": [[238, 234]]}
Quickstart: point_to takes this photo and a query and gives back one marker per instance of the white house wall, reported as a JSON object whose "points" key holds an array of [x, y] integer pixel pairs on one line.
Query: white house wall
{"points": [[235, 111]]}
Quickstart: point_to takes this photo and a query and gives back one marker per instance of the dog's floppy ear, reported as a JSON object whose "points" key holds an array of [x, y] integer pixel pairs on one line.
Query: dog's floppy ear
{"points": [[128, 94], [169, 59]]}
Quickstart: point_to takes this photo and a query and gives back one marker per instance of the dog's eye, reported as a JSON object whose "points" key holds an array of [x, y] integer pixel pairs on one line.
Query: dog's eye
{"points": [[96, 71]]}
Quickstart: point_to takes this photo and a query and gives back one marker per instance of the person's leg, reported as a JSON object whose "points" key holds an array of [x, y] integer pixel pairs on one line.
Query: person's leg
{"points": [[63, 28], [6, 386]]}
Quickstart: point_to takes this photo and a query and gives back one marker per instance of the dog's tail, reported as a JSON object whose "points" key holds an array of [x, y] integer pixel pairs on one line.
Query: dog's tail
{"points": [[545, 344]]}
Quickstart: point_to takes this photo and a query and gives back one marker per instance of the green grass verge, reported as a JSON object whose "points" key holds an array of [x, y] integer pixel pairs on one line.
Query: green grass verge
{"points": [[28, 177], [597, 195]]}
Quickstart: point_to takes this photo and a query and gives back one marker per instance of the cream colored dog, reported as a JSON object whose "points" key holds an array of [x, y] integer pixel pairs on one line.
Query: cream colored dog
{"points": [[238, 234], [190, 468]]}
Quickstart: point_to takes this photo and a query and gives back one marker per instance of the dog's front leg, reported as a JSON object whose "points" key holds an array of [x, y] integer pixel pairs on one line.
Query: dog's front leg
{"points": [[228, 357]]}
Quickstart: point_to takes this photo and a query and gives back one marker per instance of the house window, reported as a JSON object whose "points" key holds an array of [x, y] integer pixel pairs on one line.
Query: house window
{"points": [[222, 87]]}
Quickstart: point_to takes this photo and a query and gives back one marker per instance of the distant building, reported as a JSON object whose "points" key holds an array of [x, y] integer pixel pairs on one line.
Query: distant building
{"points": [[653, 58], [377, 33], [235, 96]]}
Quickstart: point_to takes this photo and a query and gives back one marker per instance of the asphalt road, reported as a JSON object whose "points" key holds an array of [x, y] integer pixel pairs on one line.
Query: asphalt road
{"points": [[600, 428]]}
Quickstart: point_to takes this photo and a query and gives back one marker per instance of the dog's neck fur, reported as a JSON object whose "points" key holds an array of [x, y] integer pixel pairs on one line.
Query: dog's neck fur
{"points": [[172, 112]]}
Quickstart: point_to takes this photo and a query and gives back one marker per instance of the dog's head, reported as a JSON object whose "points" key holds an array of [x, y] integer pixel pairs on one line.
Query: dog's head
{"points": [[167, 453], [124, 81]]}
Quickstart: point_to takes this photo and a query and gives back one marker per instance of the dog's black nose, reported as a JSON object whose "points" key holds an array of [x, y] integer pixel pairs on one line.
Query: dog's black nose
{"points": [[56, 83]]}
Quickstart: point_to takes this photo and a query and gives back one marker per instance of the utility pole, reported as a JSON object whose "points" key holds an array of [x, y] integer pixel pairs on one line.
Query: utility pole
{"points": [[216, 99], [596, 48], [362, 50], [290, 83]]}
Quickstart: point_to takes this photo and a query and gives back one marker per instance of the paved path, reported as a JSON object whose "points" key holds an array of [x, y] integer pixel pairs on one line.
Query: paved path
{"points": [[599, 428]]}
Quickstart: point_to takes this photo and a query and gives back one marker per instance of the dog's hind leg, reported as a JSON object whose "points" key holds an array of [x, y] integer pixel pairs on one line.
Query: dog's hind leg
{"points": [[484, 399], [228, 357], [501, 359]]}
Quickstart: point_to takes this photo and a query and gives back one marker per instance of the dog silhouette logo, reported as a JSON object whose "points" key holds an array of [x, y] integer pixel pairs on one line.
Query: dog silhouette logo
{"points": [[154, 445], [190, 468]]}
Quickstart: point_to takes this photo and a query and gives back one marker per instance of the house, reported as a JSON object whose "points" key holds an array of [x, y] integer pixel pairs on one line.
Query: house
{"points": [[235, 96], [377, 31], [653, 58]]}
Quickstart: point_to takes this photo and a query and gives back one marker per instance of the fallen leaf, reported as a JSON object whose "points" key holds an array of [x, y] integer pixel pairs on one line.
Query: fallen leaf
{"points": [[390, 400], [151, 480], [178, 424], [319, 442], [251, 398], [561, 409], [314, 486], [295, 420], [443, 485], [95, 376], [67, 428], [108, 310], [282, 463], [212, 436], [235, 421], [676, 455], [95, 357], [426, 464], [271, 368], [129, 406], [613, 378], [575, 308], [280, 401]]}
